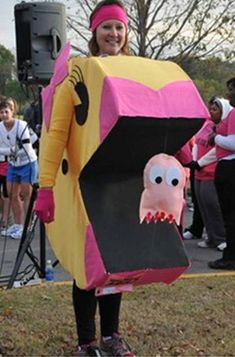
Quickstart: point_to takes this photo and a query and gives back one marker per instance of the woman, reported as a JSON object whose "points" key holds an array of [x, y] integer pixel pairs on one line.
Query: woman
{"points": [[204, 156], [224, 139], [22, 168], [195, 230], [108, 23], [4, 199]]}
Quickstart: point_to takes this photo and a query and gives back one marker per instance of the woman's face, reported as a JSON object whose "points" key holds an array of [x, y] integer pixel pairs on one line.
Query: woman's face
{"points": [[215, 113], [111, 37], [6, 114]]}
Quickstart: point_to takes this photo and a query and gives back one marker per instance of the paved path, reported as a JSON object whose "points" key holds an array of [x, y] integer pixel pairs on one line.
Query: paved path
{"points": [[198, 256]]}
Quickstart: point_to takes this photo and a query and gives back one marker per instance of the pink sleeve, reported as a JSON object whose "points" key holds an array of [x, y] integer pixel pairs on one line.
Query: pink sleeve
{"points": [[231, 123], [184, 155]]}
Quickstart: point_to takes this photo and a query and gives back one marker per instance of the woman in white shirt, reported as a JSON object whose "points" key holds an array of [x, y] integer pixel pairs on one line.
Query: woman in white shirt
{"points": [[22, 170]]}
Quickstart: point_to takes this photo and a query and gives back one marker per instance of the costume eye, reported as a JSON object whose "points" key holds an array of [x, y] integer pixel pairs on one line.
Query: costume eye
{"points": [[81, 110], [173, 176], [156, 174]]}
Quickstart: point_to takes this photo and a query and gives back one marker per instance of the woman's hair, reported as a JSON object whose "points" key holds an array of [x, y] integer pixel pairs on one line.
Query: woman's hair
{"points": [[5, 104], [212, 100], [92, 44], [13, 104]]}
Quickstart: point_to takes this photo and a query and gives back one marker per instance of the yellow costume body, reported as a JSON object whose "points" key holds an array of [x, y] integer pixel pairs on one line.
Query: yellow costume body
{"points": [[87, 105]]}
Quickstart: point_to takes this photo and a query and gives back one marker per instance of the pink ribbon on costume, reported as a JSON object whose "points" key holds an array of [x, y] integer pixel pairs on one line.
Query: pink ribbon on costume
{"points": [[60, 72]]}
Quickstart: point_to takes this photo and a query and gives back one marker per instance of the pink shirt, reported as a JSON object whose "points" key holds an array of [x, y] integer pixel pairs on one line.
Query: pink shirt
{"points": [[226, 127], [3, 168], [201, 139], [184, 155]]}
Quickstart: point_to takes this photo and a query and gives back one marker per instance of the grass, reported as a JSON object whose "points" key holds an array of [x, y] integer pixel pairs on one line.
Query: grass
{"points": [[192, 317]]}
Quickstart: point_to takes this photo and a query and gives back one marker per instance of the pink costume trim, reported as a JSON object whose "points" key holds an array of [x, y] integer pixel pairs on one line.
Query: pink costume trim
{"points": [[123, 97], [97, 275], [109, 12], [95, 270], [60, 72]]}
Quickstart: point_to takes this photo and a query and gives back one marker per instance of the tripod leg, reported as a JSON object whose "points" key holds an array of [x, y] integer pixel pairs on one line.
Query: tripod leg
{"points": [[28, 218], [20, 257], [42, 249], [25, 242]]}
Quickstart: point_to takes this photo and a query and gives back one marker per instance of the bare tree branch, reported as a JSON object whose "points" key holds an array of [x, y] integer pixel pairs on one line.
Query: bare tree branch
{"points": [[166, 28]]}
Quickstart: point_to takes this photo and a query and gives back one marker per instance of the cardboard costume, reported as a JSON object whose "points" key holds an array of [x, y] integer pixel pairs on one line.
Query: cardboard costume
{"points": [[109, 116]]}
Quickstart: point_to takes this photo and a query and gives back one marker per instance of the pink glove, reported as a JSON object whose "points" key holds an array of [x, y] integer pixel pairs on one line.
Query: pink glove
{"points": [[44, 206]]}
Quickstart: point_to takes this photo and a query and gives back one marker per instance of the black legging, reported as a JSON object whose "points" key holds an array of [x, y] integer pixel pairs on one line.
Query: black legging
{"points": [[197, 225], [85, 303], [225, 187]]}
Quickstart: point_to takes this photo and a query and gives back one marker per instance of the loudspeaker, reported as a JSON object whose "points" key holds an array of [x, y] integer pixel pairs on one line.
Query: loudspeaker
{"points": [[40, 34]]}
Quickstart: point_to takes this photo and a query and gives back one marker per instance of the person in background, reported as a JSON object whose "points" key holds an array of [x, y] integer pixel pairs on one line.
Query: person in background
{"points": [[184, 156], [205, 162], [32, 118], [22, 167], [195, 230], [224, 139], [109, 25], [3, 187]]}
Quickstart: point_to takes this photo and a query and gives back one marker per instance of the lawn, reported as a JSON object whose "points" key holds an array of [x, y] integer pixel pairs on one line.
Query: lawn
{"points": [[192, 317]]}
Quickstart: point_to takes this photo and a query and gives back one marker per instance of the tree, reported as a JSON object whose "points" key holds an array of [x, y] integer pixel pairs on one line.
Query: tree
{"points": [[7, 61], [163, 29], [209, 75]]}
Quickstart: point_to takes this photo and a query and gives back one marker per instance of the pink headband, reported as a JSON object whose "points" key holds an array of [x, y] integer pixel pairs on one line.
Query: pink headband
{"points": [[109, 12]]}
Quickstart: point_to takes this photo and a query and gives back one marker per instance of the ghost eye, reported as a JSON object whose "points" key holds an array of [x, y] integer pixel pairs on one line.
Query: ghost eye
{"points": [[173, 176], [156, 174]]}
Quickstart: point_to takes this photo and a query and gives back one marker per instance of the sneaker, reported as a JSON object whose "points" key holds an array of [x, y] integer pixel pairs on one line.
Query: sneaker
{"points": [[8, 231], [88, 350], [116, 346], [205, 244], [222, 246], [18, 233], [222, 264], [189, 235], [190, 206]]}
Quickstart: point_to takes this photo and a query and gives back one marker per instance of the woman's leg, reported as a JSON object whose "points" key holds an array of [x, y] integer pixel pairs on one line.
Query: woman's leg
{"points": [[6, 210], [211, 213], [26, 191], [197, 225], [109, 306], [84, 303], [14, 190], [225, 186]]}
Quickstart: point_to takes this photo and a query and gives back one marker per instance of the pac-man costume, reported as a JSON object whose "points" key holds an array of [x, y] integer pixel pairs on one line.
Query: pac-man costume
{"points": [[109, 116]]}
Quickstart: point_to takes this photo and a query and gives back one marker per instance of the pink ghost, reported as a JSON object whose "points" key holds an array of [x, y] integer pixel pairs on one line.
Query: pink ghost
{"points": [[163, 196]]}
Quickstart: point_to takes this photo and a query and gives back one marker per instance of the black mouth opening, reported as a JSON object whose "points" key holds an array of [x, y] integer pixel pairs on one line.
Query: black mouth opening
{"points": [[111, 185]]}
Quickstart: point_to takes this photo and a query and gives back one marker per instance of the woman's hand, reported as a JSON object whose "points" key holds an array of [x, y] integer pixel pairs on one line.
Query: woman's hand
{"points": [[211, 139], [194, 165], [44, 206], [13, 154]]}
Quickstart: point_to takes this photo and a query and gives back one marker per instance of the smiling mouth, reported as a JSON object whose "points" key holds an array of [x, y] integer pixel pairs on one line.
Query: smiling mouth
{"points": [[113, 179], [112, 42]]}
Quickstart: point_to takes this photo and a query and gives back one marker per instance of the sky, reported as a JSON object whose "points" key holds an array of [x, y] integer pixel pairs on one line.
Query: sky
{"points": [[7, 24]]}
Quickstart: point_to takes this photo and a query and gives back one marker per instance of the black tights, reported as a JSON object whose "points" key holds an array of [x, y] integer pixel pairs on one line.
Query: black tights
{"points": [[85, 303], [225, 187]]}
